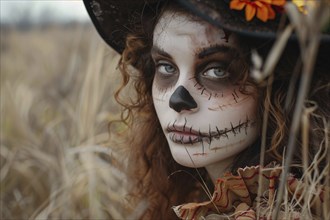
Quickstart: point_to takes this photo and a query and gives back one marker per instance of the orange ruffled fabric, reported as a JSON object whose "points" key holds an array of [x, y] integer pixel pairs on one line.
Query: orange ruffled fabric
{"points": [[235, 195]]}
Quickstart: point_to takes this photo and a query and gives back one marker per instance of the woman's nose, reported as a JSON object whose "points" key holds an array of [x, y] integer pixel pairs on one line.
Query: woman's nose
{"points": [[182, 100]]}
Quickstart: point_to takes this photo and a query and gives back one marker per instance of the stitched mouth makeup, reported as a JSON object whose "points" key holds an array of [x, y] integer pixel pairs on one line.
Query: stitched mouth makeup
{"points": [[187, 135]]}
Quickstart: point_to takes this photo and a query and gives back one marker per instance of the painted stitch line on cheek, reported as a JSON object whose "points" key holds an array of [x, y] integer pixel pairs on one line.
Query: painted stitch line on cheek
{"points": [[210, 135], [203, 91], [236, 99], [246, 124], [220, 133], [227, 146], [233, 129], [235, 96], [200, 134], [210, 96], [185, 123], [222, 106], [235, 93]]}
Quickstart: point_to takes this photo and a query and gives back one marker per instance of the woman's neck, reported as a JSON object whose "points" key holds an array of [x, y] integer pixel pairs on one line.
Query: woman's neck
{"points": [[218, 169]]}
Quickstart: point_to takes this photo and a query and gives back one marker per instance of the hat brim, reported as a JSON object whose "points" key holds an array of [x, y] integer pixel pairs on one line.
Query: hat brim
{"points": [[115, 19], [219, 14]]}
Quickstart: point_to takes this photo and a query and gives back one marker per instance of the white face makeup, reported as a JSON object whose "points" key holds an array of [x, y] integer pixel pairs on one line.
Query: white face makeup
{"points": [[204, 116]]}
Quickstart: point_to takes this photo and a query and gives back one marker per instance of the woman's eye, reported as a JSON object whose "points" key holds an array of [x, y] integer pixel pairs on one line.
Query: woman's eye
{"points": [[165, 68], [216, 72]]}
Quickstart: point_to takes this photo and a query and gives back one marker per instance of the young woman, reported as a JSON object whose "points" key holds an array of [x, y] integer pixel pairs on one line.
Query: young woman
{"points": [[198, 114]]}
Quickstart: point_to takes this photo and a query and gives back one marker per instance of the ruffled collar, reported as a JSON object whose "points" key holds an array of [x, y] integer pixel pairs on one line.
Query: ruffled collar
{"points": [[234, 196]]}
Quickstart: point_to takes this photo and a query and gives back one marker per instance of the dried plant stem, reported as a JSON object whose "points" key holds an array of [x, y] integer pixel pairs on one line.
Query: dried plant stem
{"points": [[204, 185], [263, 140], [326, 204], [305, 135], [311, 52]]}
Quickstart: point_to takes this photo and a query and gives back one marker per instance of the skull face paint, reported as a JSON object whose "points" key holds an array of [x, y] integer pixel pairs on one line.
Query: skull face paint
{"points": [[203, 114]]}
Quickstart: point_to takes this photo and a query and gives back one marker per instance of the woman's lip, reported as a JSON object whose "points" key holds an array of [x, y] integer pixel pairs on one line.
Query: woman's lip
{"points": [[185, 135], [184, 138], [181, 130]]}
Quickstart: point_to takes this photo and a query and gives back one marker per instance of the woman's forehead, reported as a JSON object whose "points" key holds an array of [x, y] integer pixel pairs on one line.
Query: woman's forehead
{"points": [[182, 25]]}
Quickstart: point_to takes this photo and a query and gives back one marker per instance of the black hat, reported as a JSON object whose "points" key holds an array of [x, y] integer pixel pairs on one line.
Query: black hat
{"points": [[115, 19]]}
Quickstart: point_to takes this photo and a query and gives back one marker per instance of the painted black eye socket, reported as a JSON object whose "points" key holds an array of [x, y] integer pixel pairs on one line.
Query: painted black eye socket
{"points": [[166, 74], [215, 73], [213, 76]]}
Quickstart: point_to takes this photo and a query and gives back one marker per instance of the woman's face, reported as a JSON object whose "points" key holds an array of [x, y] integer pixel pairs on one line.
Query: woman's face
{"points": [[203, 114]]}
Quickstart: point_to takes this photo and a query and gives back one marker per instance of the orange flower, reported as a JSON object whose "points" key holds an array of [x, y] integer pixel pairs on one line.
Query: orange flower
{"points": [[262, 8]]}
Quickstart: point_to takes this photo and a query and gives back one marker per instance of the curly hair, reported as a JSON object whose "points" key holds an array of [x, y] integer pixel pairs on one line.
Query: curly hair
{"points": [[151, 166]]}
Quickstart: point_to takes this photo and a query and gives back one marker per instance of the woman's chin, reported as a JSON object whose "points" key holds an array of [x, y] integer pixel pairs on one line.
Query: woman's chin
{"points": [[193, 156]]}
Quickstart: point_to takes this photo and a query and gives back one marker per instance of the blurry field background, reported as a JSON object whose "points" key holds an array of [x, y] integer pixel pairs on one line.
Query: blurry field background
{"points": [[57, 85]]}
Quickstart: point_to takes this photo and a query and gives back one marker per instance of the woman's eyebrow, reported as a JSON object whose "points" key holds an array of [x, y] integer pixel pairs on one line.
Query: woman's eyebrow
{"points": [[157, 50], [216, 49]]}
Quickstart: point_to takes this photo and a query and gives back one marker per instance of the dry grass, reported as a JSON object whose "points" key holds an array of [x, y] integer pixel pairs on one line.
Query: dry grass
{"points": [[306, 27], [56, 100]]}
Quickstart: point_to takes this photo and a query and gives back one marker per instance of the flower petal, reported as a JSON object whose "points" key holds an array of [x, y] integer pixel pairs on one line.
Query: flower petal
{"points": [[271, 12], [262, 13], [237, 4], [260, 4], [266, 1], [250, 12], [278, 2]]}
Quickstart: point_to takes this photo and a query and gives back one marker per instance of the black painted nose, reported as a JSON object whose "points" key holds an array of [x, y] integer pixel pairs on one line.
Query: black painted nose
{"points": [[182, 100]]}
